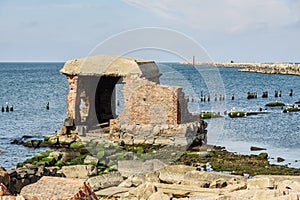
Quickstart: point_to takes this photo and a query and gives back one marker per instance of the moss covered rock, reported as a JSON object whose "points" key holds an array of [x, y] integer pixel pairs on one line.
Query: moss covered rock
{"points": [[222, 160], [76, 145], [208, 115], [291, 109], [263, 156], [275, 104], [235, 114], [100, 154]]}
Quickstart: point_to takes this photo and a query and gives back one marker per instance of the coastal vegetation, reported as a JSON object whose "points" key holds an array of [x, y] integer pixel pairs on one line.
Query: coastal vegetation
{"points": [[106, 156]]}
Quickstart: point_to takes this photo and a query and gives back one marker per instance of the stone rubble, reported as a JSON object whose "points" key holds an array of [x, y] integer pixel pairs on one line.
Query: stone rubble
{"points": [[185, 182], [20, 177], [156, 181]]}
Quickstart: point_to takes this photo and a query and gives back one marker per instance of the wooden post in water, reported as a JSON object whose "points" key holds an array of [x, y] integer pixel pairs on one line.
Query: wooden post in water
{"points": [[291, 92], [6, 107], [280, 93]]}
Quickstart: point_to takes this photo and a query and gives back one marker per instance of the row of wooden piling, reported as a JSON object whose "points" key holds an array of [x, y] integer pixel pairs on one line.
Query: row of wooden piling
{"points": [[265, 94], [7, 108], [204, 98], [250, 95]]}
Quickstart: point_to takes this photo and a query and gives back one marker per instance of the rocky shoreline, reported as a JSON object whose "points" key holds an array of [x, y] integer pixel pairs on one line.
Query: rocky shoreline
{"points": [[110, 171], [267, 68]]}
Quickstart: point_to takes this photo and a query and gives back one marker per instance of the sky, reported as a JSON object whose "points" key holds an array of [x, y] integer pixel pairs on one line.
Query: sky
{"points": [[238, 30]]}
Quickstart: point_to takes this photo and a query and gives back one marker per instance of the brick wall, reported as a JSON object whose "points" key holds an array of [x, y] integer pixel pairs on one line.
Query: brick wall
{"points": [[71, 98], [146, 102], [153, 104]]}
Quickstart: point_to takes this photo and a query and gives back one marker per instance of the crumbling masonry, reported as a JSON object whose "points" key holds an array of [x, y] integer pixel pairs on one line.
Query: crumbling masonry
{"points": [[152, 113]]}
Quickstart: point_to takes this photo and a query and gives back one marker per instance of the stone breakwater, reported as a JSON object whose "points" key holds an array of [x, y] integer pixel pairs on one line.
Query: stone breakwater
{"points": [[268, 68]]}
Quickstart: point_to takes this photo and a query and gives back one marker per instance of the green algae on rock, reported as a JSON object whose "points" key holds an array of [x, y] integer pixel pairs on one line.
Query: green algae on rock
{"points": [[275, 104], [224, 161], [208, 115]]}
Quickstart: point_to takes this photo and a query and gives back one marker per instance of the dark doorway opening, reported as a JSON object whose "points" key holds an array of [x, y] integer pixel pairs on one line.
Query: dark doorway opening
{"points": [[105, 98]]}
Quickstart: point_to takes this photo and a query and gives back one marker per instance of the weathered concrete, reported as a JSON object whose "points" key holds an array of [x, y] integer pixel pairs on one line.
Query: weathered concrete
{"points": [[260, 183], [143, 191], [79, 171], [112, 191], [159, 196], [110, 65], [174, 173], [105, 181], [132, 167]]}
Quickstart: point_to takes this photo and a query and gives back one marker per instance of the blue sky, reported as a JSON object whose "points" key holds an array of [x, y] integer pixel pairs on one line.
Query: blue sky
{"points": [[239, 30]]}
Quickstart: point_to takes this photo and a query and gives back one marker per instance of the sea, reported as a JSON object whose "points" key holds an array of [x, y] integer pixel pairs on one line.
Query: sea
{"points": [[29, 86]]}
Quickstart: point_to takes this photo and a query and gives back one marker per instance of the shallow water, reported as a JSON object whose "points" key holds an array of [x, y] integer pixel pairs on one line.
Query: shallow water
{"points": [[28, 86], [278, 132]]}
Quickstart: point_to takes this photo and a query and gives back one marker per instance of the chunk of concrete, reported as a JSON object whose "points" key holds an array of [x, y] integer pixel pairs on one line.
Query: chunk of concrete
{"points": [[131, 167], [79, 171], [174, 173], [143, 191], [104, 181], [159, 196], [260, 183]]}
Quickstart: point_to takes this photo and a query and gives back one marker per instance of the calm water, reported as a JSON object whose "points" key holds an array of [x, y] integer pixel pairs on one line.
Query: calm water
{"points": [[278, 132], [28, 86]]}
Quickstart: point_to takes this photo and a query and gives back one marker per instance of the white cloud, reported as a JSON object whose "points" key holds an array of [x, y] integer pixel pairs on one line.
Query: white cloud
{"points": [[232, 16]]}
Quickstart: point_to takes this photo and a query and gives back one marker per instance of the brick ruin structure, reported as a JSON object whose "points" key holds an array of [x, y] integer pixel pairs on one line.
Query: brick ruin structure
{"points": [[152, 113]]}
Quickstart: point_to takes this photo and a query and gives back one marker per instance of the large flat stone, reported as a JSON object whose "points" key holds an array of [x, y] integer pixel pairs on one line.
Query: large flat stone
{"points": [[189, 175], [159, 196], [105, 181], [58, 188], [174, 173], [260, 183], [196, 175], [185, 190], [138, 179], [143, 191], [79, 171], [131, 167], [112, 191], [279, 178], [288, 185]]}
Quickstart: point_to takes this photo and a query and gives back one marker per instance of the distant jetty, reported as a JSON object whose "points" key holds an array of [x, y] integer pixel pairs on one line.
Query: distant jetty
{"points": [[267, 68]]}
